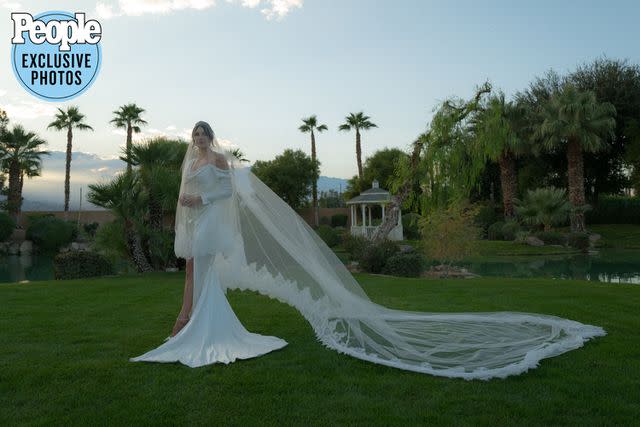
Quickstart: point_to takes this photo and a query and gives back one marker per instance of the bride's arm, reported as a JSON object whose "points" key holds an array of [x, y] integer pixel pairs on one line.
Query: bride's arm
{"points": [[222, 191]]}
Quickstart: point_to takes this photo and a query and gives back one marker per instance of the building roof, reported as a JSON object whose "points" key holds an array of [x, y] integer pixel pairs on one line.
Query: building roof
{"points": [[375, 194]]}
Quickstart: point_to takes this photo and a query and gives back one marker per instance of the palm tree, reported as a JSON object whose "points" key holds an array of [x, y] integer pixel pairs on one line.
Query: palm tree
{"points": [[357, 121], [544, 206], [498, 136], [124, 197], [69, 120], [576, 121], [238, 154], [158, 162], [128, 117], [19, 150], [311, 124]]}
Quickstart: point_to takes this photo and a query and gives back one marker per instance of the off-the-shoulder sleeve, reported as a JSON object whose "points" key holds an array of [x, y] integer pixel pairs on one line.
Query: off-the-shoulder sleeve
{"points": [[223, 188]]}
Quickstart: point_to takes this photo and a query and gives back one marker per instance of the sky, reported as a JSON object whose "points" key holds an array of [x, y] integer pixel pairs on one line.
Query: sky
{"points": [[254, 68]]}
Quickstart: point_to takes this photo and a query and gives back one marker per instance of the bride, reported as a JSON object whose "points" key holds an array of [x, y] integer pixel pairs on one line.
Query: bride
{"points": [[235, 233]]}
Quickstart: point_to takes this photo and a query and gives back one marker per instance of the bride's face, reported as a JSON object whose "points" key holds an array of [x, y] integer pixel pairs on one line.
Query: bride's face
{"points": [[200, 138]]}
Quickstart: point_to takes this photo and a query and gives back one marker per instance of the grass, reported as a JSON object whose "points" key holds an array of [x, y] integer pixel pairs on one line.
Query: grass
{"points": [[65, 349], [619, 236]]}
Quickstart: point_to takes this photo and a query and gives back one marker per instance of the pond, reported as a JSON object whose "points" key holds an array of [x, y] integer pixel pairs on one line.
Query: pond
{"points": [[605, 265], [15, 268]]}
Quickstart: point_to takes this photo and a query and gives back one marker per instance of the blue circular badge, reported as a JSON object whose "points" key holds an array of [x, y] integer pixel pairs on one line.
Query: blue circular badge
{"points": [[54, 68]]}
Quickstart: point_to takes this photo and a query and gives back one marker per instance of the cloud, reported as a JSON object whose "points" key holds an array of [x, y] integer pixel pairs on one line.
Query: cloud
{"points": [[274, 9], [26, 110], [278, 9], [107, 9], [11, 5]]}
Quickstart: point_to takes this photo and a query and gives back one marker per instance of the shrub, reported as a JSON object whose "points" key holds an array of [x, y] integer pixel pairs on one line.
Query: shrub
{"points": [[7, 225], [324, 220], [49, 233], [405, 264], [495, 231], [509, 230], [91, 228], [486, 216], [339, 220], [411, 226], [544, 207], [449, 234], [375, 255], [552, 237], [329, 235], [521, 236], [354, 245], [612, 209], [79, 264], [578, 241]]}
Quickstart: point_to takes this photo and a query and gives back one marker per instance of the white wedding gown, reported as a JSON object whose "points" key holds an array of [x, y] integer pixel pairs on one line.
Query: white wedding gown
{"points": [[214, 333]]}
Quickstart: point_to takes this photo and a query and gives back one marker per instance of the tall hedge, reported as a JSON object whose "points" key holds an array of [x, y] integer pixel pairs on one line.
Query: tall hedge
{"points": [[615, 210]]}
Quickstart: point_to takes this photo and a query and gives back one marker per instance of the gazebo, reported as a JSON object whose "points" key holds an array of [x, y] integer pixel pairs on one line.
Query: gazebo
{"points": [[375, 196]]}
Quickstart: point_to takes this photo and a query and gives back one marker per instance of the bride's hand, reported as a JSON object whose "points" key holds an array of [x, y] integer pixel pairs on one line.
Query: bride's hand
{"points": [[190, 200]]}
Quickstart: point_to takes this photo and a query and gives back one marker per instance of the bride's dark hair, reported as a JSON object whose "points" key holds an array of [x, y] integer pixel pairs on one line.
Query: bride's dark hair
{"points": [[205, 127]]}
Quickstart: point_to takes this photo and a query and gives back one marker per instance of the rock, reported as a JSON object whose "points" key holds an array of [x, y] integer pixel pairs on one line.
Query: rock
{"points": [[444, 272], [26, 247], [534, 241], [405, 248], [594, 237], [171, 269]]}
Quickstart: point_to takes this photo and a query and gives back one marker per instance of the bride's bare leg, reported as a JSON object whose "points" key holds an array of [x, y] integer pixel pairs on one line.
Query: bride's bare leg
{"points": [[187, 299]]}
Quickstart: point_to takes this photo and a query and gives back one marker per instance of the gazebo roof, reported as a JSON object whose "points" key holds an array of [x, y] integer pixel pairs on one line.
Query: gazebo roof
{"points": [[375, 194]]}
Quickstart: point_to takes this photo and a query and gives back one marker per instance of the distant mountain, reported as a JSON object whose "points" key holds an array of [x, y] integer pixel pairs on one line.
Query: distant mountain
{"points": [[46, 192]]}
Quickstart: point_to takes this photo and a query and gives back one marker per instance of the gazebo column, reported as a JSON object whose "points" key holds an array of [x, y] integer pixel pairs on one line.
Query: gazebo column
{"points": [[369, 208], [382, 206], [351, 210], [364, 218]]}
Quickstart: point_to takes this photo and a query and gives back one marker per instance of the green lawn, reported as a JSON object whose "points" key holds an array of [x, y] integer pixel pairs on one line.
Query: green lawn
{"points": [[619, 236], [65, 349]]}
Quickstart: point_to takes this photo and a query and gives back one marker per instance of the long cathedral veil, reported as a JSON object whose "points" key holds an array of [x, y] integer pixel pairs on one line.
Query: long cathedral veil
{"points": [[279, 255]]}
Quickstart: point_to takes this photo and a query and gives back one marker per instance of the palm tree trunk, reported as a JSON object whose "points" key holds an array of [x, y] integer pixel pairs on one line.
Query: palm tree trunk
{"points": [[13, 198], [575, 173], [155, 212], [314, 192], [508, 182], [134, 243], [67, 172], [129, 132], [359, 155]]}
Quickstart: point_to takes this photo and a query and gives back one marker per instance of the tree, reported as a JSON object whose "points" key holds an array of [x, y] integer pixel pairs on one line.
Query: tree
{"points": [[289, 175], [158, 161], [128, 117], [19, 149], [124, 197], [576, 122], [68, 120], [357, 121], [606, 171], [618, 83], [311, 124], [498, 138], [380, 166], [428, 163]]}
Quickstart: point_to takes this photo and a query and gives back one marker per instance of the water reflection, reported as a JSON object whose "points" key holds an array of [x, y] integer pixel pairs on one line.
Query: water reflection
{"points": [[607, 265], [15, 268]]}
